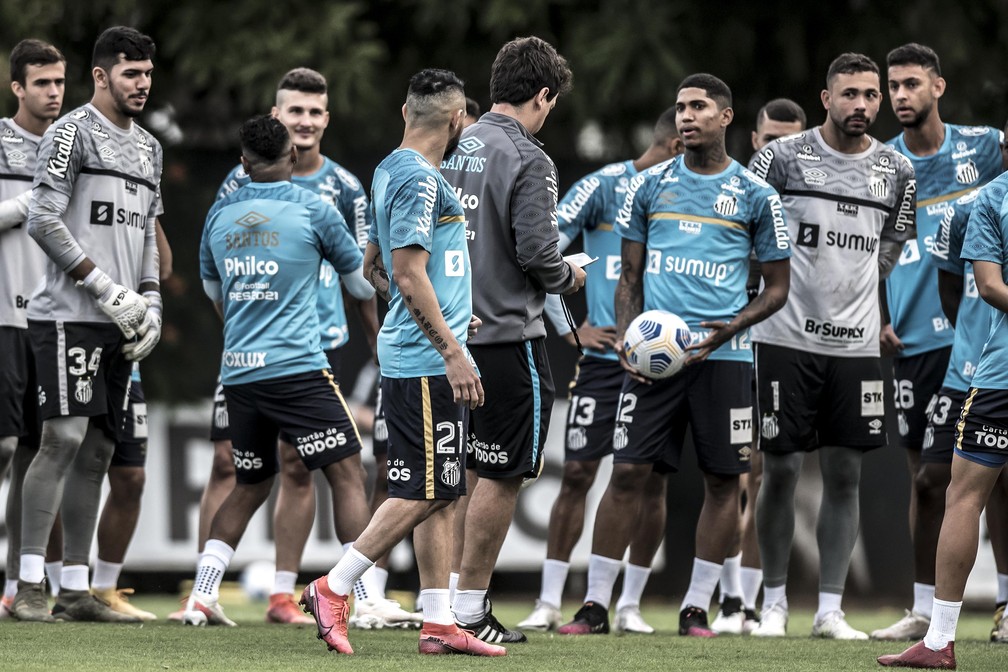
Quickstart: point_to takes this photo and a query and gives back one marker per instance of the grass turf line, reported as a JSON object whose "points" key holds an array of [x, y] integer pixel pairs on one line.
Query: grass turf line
{"points": [[256, 646]]}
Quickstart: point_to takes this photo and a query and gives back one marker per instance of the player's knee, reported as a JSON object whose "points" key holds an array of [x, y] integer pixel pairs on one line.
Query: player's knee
{"points": [[127, 483], [295, 475], [223, 467], [654, 489], [721, 488], [627, 479], [931, 481], [577, 477], [8, 444]]}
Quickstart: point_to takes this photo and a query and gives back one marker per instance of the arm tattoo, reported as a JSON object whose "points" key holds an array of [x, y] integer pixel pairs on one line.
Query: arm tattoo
{"points": [[436, 338]]}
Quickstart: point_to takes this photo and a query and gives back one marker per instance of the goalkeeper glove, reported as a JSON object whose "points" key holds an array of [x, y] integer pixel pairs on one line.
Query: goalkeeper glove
{"points": [[149, 332], [126, 308]]}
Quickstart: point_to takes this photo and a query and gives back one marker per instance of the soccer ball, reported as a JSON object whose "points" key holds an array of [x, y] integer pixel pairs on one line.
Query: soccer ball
{"points": [[257, 579], [655, 343]]}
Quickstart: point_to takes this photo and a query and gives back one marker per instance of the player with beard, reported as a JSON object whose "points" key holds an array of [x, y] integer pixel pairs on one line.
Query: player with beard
{"points": [[850, 208], [949, 161], [93, 210], [429, 382]]}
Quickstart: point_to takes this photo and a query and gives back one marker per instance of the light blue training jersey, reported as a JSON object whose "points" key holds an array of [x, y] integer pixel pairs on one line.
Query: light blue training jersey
{"points": [[698, 231], [974, 314], [970, 157], [340, 188], [987, 240], [589, 208], [265, 243], [415, 206]]}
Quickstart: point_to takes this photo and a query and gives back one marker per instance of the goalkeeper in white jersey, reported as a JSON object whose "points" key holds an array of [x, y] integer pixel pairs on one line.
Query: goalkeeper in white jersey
{"points": [[850, 203], [94, 203]]}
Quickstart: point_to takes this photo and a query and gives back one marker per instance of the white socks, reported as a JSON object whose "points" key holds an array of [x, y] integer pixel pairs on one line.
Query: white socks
{"points": [[731, 577], [213, 563], [106, 574], [54, 573], [74, 577], [453, 578], [554, 576], [774, 595], [634, 579], [436, 608], [751, 579], [944, 618], [702, 583], [923, 599], [602, 573], [469, 605], [10, 588], [828, 602], [284, 582], [350, 567], [1002, 588], [32, 568]]}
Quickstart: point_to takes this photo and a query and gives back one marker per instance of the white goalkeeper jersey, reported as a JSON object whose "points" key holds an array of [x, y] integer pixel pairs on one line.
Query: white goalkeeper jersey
{"points": [[106, 182], [839, 207], [21, 259]]}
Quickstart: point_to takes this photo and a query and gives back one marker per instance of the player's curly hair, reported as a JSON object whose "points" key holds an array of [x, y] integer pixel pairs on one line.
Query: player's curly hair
{"points": [[265, 138], [523, 67], [130, 42], [714, 87]]}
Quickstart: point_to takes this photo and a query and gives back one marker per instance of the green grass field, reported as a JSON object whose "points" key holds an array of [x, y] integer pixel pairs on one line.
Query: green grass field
{"points": [[256, 646]]}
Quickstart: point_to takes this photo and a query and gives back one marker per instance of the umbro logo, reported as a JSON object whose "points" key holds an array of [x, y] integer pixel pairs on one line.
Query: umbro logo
{"points": [[251, 219], [470, 145]]}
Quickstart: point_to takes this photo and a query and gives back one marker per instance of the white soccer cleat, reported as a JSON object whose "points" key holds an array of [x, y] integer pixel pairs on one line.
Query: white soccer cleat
{"points": [[729, 624], [629, 619], [833, 625], [544, 617], [911, 627], [200, 613], [382, 613], [773, 622], [1000, 633]]}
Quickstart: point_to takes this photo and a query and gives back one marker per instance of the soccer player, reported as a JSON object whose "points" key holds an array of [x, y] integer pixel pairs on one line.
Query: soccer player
{"points": [[126, 476], [850, 208], [276, 379], [38, 76], [741, 574], [429, 383], [698, 269], [589, 209], [301, 105], [94, 203], [981, 437], [949, 161], [508, 185]]}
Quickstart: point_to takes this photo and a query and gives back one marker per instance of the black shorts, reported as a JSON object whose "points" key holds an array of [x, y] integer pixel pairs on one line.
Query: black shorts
{"points": [[591, 416], [426, 438], [306, 407], [81, 372], [917, 381], [131, 448], [939, 435], [982, 431], [220, 425], [807, 400], [507, 433], [18, 387], [713, 397], [335, 357], [379, 432]]}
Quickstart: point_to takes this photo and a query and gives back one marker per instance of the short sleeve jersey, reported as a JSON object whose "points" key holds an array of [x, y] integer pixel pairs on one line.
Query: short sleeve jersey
{"points": [[22, 261], [969, 157], [987, 240], [415, 206], [340, 188], [839, 207], [265, 243], [589, 209], [698, 232], [112, 179], [974, 314]]}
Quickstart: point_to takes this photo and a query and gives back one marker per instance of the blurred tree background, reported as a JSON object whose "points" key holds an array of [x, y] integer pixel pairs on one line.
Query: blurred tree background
{"points": [[218, 63]]}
